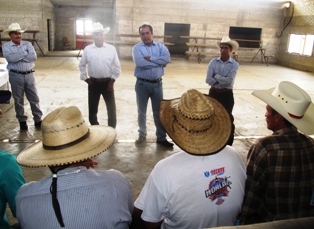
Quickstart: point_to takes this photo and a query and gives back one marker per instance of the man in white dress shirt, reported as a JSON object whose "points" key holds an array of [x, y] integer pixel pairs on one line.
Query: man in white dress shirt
{"points": [[100, 68]]}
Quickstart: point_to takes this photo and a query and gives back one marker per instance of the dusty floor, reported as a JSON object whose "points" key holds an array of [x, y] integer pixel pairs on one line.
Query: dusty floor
{"points": [[58, 84]]}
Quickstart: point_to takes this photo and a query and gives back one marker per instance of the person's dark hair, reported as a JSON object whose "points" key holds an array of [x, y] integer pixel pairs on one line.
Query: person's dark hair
{"points": [[273, 112], [12, 32], [145, 25]]}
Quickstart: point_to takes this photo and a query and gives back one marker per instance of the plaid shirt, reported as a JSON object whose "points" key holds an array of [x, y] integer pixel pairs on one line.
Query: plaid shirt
{"points": [[280, 171]]}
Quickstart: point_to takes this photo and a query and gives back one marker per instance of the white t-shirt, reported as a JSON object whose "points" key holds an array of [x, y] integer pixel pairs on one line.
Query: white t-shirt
{"points": [[189, 191]]}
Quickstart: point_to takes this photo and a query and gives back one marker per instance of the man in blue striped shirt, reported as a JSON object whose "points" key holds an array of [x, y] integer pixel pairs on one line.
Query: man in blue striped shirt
{"points": [[150, 58], [75, 195], [20, 56]]}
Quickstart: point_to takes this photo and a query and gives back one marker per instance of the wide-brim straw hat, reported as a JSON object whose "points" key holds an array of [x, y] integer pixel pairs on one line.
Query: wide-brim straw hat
{"points": [[97, 27], [66, 139], [291, 102], [227, 40], [197, 123], [13, 27]]}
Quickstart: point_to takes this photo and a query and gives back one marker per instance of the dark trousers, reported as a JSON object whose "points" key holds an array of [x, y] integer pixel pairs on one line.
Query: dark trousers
{"points": [[94, 91], [227, 100]]}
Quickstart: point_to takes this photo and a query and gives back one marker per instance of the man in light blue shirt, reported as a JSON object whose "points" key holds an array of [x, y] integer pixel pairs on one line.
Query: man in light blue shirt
{"points": [[20, 56], [150, 58], [221, 73]]}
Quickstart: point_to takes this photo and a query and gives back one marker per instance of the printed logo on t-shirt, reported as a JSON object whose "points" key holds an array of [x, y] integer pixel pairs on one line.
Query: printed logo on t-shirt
{"points": [[218, 187]]}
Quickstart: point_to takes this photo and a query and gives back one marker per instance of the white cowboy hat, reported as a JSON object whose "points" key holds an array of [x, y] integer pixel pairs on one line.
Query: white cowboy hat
{"points": [[197, 123], [66, 139], [97, 27], [13, 27], [227, 40], [291, 102]]}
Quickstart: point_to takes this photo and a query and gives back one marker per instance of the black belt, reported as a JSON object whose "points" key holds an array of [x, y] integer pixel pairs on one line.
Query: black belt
{"points": [[221, 90], [151, 81], [100, 79], [20, 72]]}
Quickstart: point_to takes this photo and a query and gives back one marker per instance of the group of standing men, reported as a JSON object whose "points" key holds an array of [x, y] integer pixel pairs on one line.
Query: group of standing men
{"points": [[103, 65], [201, 186]]}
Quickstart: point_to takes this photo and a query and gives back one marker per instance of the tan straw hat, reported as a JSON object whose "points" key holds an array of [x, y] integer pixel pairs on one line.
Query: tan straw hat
{"points": [[198, 124], [227, 40], [66, 139], [97, 27], [291, 102], [13, 27]]}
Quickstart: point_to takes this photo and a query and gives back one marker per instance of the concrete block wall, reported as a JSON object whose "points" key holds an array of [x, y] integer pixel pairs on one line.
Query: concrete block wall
{"points": [[302, 23], [211, 18], [30, 14]]}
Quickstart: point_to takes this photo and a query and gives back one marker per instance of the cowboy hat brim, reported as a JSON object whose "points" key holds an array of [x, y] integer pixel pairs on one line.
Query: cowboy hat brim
{"points": [[7, 31], [202, 143], [99, 140], [234, 44], [305, 124], [105, 30]]}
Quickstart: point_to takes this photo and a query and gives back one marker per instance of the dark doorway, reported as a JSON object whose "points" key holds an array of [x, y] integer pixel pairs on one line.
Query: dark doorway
{"points": [[177, 30], [49, 34]]}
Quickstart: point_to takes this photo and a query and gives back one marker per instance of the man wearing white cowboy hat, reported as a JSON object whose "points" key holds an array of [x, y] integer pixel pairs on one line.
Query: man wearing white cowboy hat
{"points": [[280, 167], [100, 75], [201, 186], [221, 73], [20, 56], [74, 196]]}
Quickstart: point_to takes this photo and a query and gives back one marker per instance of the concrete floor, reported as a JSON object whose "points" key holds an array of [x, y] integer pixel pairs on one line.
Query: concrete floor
{"points": [[58, 84]]}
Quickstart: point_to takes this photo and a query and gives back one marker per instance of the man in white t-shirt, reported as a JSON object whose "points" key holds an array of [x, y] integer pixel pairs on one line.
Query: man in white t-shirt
{"points": [[201, 186]]}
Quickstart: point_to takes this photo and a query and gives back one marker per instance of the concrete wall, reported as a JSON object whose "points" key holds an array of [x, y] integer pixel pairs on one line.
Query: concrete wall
{"points": [[30, 14], [211, 18], [302, 23], [206, 17]]}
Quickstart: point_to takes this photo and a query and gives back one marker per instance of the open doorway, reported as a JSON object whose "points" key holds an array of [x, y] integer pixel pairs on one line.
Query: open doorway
{"points": [[176, 30]]}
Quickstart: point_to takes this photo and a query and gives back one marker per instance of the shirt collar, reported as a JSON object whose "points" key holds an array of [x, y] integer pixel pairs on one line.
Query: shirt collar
{"points": [[154, 43], [12, 44], [286, 130], [229, 60], [71, 170], [103, 45]]}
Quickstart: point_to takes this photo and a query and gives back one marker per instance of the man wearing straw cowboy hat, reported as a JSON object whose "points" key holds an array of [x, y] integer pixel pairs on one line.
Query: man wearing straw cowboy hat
{"points": [[221, 73], [73, 196], [201, 186], [100, 68], [20, 56], [280, 167]]}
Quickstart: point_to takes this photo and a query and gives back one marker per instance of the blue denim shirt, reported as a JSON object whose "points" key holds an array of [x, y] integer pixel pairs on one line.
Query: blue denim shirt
{"points": [[225, 72], [153, 69]]}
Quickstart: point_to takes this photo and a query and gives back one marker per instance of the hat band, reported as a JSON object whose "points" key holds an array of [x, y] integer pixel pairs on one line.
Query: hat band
{"points": [[190, 131], [68, 144], [295, 116]]}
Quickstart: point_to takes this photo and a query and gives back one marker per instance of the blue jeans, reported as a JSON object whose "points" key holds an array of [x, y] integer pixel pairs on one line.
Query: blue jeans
{"points": [[144, 91]]}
